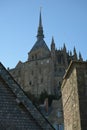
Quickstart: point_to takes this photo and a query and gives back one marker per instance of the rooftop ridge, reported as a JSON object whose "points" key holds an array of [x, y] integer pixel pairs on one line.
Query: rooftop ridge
{"points": [[17, 90]]}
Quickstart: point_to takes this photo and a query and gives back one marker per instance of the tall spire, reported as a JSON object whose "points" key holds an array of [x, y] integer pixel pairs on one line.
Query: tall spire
{"points": [[40, 20], [64, 47], [52, 44], [52, 40], [53, 50], [40, 34], [75, 53]]}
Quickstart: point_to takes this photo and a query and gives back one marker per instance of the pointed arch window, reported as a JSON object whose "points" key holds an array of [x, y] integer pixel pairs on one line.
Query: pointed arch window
{"points": [[30, 83]]}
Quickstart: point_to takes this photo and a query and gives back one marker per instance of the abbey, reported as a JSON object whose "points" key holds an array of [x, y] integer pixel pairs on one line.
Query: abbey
{"points": [[45, 68]]}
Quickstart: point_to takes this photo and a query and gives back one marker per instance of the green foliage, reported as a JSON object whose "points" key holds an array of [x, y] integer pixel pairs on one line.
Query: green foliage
{"points": [[33, 98], [50, 98], [43, 96]]}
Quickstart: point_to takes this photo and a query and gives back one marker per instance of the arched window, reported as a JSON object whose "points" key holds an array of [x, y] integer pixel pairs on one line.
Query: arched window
{"points": [[30, 82]]}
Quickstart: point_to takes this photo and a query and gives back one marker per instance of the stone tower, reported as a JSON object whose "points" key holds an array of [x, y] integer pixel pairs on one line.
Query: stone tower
{"points": [[40, 49], [44, 69], [74, 96]]}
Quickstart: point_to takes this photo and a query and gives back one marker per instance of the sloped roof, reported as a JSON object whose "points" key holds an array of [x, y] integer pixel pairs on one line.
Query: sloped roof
{"points": [[40, 43], [14, 100]]}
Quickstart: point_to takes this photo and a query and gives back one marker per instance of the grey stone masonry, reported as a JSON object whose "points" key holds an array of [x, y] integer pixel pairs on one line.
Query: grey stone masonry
{"points": [[16, 110], [74, 96]]}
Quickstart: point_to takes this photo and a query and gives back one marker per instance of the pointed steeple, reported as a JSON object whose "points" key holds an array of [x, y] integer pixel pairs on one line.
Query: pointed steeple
{"points": [[75, 54], [80, 57], [64, 47], [74, 50], [40, 20], [53, 50], [52, 40], [52, 44], [40, 34]]}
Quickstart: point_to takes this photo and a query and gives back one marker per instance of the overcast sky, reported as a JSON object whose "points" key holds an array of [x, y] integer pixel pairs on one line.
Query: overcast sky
{"points": [[65, 20]]}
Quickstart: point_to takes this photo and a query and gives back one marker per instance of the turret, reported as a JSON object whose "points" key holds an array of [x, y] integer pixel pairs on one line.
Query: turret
{"points": [[64, 48], [80, 57], [52, 44], [53, 49], [75, 54], [65, 55]]}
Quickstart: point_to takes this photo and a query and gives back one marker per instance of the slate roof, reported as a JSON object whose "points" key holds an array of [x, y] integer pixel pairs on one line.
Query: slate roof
{"points": [[16, 109], [40, 43]]}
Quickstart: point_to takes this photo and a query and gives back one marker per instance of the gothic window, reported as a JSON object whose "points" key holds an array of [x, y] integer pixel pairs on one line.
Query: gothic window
{"points": [[59, 59], [30, 82]]}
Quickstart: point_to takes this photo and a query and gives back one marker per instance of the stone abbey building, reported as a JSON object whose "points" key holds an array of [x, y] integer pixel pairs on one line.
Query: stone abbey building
{"points": [[45, 68]]}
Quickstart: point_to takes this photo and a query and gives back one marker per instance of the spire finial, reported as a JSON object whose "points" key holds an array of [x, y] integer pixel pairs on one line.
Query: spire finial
{"points": [[52, 39], [40, 28], [64, 47], [40, 9], [52, 43], [40, 20]]}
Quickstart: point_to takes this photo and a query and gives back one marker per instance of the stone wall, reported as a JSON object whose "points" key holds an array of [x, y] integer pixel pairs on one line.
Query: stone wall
{"points": [[13, 115], [82, 92], [35, 76], [71, 100]]}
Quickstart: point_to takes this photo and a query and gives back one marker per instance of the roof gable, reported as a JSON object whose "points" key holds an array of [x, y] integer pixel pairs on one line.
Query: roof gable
{"points": [[13, 114], [22, 98]]}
